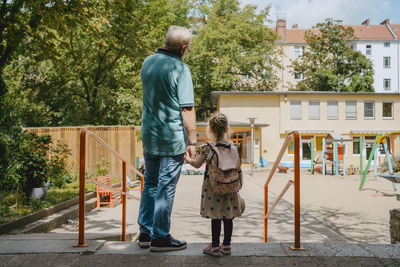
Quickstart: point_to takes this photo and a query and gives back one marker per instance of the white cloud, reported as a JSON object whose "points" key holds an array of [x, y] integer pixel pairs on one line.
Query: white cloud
{"points": [[307, 13]]}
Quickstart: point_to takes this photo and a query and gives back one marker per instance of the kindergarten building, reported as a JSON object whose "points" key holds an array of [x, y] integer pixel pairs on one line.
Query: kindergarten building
{"points": [[315, 115]]}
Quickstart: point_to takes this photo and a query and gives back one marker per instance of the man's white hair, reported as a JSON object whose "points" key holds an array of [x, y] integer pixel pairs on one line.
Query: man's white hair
{"points": [[176, 37]]}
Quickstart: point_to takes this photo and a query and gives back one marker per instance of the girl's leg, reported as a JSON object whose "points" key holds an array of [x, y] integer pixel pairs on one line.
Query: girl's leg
{"points": [[215, 231], [228, 228]]}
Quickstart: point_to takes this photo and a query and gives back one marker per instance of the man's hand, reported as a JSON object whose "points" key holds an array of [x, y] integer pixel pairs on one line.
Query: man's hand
{"points": [[191, 151]]}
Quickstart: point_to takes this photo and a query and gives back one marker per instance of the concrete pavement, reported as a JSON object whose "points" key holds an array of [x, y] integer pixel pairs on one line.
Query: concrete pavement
{"points": [[115, 253], [338, 227]]}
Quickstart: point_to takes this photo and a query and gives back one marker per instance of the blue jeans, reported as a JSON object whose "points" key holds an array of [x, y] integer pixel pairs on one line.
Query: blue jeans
{"points": [[160, 178]]}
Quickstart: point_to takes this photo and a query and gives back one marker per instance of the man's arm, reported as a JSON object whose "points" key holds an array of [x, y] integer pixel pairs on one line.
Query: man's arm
{"points": [[189, 121]]}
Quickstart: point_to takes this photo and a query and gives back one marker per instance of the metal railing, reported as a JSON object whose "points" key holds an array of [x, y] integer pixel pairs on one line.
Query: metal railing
{"points": [[82, 178], [296, 183]]}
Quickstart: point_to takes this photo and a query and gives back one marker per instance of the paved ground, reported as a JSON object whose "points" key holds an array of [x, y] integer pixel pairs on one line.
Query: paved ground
{"points": [[340, 225], [332, 210]]}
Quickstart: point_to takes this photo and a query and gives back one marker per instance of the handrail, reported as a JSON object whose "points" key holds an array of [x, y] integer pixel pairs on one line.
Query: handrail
{"points": [[296, 182], [82, 170]]}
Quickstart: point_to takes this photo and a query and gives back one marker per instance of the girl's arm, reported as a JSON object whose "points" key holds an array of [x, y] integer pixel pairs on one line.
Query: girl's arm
{"points": [[196, 162]]}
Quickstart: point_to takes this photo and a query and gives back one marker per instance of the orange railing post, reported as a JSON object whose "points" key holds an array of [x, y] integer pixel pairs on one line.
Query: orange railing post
{"points": [[265, 213], [82, 163], [82, 178], [295, 135], [124, 201], [296, 191]]}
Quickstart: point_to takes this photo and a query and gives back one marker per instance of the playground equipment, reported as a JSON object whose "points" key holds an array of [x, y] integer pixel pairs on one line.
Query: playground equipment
{"points": [[334, 151], [82, 180], [296, 182], [391, 176]]}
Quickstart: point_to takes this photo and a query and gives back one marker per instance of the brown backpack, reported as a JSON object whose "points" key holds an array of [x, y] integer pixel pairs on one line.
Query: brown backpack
{"points": [[224, 170]]}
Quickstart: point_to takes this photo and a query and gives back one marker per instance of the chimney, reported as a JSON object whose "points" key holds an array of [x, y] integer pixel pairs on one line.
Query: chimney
{"points": [[365, 22], [281, 29], [386, 21], [295, 26]]}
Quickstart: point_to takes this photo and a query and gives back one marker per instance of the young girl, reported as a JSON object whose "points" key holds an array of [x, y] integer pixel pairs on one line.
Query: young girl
{"points": [[214, 206]]}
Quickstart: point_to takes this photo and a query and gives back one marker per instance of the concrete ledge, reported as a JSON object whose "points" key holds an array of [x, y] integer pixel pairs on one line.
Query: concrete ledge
{"points": [[30, 218], [113, 253], [53, 221]]}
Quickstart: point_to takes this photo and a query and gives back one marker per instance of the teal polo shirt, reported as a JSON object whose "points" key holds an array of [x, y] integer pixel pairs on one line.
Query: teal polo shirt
{"points": [[167, 87]]}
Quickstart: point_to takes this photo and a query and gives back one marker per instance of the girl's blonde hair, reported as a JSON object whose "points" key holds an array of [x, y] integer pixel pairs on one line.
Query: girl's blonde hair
{"points": [[218, 125]]}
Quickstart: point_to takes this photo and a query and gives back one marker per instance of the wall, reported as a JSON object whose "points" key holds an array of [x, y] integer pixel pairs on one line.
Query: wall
{"points": [[274, 110], [123, 139], [239, 108], [378, 51]]}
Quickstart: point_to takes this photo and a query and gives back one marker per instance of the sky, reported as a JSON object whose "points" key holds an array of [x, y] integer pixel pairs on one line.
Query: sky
{"points": [[307, 13]]}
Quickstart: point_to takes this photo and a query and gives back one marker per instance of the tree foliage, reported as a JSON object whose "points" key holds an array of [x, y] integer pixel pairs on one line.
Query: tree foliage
{"points": [[330, 64], [232, 50], [83, 67]]}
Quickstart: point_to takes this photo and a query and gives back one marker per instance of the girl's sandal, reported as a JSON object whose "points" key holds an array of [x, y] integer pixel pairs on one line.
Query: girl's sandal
{"points": [[210, 250], [226, 250]]}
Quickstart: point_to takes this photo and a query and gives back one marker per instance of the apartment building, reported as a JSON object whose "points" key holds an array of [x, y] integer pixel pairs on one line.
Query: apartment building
{"points": [[380, 43], [315, 115]]}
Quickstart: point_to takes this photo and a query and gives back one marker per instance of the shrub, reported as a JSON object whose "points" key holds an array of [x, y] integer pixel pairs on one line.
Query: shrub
{"points": [[28, 161]]}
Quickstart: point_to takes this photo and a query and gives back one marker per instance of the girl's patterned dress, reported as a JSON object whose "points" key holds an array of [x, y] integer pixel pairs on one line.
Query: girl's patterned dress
{"points": [[216, 206]]}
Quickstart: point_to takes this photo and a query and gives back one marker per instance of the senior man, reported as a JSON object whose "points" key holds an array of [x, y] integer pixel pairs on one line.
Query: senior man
{"points": [[168, 130]]}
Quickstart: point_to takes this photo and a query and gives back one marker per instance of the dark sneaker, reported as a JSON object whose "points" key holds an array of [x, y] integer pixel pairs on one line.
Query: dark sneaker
{"points": [[167, 243], [144, 240]]}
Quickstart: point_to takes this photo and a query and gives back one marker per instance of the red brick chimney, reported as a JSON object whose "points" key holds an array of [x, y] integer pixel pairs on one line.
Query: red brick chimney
{"points": [[281, 29], [386, 21], [365, 22]]}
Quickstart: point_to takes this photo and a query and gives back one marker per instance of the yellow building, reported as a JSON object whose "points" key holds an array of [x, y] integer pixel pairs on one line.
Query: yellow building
{"points": [[314, 115]]}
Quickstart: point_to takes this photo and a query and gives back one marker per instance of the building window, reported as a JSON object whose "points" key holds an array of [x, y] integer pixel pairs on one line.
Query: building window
{"points": [[368, 50], [351, 109], [298, 51], [369, 109], [386, 44], [356, 145], [387, 110], [386, 84], [386, 62], [298, 76], [295, 109], [332, 110], [313, 110]]}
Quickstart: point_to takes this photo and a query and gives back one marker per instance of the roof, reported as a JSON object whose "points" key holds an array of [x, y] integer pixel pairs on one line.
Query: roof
{"points": [[396, 30], [297, 35], [215, 94], [309, 131], [236, 123], [372, 132], [361, 32], [372, 33]]}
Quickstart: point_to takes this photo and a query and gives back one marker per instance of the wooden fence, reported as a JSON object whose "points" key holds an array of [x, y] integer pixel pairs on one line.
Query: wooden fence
{"points": [[123, 139]]}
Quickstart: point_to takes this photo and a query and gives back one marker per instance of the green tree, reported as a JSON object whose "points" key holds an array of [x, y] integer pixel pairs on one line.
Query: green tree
{"points": [[232, 50], [330, 64], [84, 68]]}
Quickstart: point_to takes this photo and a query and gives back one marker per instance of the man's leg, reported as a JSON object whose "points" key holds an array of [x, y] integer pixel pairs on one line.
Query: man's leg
{"points": [[170, 170], [146, 211]]}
